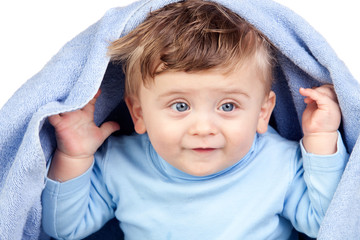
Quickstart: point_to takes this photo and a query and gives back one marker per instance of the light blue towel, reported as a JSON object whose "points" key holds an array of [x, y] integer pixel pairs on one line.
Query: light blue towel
{"points": [[72, 77]]}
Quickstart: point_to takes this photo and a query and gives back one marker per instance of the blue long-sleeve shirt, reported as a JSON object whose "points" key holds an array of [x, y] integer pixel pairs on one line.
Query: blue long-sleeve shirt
{"points": [[275, 187]]}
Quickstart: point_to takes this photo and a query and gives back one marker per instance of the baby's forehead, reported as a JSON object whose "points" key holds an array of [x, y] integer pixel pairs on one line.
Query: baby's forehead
{"points": [[239, 71], [227, 80]]}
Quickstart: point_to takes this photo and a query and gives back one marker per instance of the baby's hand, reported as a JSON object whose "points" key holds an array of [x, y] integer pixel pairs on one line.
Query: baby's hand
{"points": [[77, 135], [321, 119], [77, 138], [322, 114]]}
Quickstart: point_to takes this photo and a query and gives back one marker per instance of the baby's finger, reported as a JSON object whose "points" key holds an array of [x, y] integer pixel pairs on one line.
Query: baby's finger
{"points": [[319, 97], [308, 100], [328, 90], [93, 101], [108, 128], [307, 92], [90, 107], [54, 119]]}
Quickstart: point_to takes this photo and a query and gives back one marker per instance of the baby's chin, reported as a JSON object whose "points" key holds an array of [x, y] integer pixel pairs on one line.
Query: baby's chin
{"points": [[202, 171]]}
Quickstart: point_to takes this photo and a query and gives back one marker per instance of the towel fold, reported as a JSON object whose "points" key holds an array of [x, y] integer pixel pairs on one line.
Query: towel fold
{"points": [[71, 78]]}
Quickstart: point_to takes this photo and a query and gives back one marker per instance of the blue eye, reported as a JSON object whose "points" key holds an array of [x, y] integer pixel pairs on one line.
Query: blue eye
{"points": [[180, 107], [227, 107]]}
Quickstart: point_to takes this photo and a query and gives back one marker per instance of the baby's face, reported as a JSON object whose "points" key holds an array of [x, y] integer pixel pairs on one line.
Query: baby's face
{"points": [[204, 122]]}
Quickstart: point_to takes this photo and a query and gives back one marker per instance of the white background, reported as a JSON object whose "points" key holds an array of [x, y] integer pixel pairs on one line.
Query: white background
{"points": [[33, 31]]}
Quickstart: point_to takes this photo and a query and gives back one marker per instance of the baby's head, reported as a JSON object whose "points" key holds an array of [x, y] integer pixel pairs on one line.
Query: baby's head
{"points": [[198, 80], [191, 36]]}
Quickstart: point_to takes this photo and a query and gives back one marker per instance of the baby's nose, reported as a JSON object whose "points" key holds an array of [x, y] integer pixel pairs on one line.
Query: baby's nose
{"points": [[203, 125]]}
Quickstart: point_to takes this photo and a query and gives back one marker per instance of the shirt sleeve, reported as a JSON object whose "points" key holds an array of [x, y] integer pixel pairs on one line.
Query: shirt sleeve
{"points": [[313, 186], [80, 206]]}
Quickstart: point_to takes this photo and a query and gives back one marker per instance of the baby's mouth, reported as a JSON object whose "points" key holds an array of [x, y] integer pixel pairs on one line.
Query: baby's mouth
{"points": [[204, 150]]}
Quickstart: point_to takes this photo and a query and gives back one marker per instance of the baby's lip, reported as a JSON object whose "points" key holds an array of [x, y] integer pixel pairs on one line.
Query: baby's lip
{"points": [[204, 149]]}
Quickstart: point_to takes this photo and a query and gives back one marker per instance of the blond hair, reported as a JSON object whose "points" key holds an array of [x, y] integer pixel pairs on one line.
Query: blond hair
{"points": [[190, 36]]}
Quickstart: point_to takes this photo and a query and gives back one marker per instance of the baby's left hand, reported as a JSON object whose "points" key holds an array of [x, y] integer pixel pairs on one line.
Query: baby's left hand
{"points": [[322, 114], [321, 119]]}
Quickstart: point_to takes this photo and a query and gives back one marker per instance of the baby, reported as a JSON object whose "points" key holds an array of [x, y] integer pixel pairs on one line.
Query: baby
{"points": [[204, 164]]}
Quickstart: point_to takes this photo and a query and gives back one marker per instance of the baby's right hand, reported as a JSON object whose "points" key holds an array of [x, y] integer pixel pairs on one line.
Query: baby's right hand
{"points": [[77, 135]]}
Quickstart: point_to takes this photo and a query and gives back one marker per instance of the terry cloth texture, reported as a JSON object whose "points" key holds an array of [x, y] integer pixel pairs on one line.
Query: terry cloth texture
{"points": [[72, 77]]}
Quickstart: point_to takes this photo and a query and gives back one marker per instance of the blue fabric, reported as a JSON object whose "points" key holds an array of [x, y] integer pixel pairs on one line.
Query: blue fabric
{"points": [[72, 77], [276, 186]]}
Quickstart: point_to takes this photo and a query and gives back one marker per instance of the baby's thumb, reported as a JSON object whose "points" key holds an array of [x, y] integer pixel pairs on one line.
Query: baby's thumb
{"points": [[108, 128]]}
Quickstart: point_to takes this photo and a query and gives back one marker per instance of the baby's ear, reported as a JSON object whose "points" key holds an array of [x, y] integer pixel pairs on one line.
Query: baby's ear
{"points": [[134, 106], [265, 113]]}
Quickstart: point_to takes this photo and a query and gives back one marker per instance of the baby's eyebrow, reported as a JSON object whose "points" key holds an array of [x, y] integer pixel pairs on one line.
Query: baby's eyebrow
{"points": [[224, 91], [172, 93], [236, 92]]}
